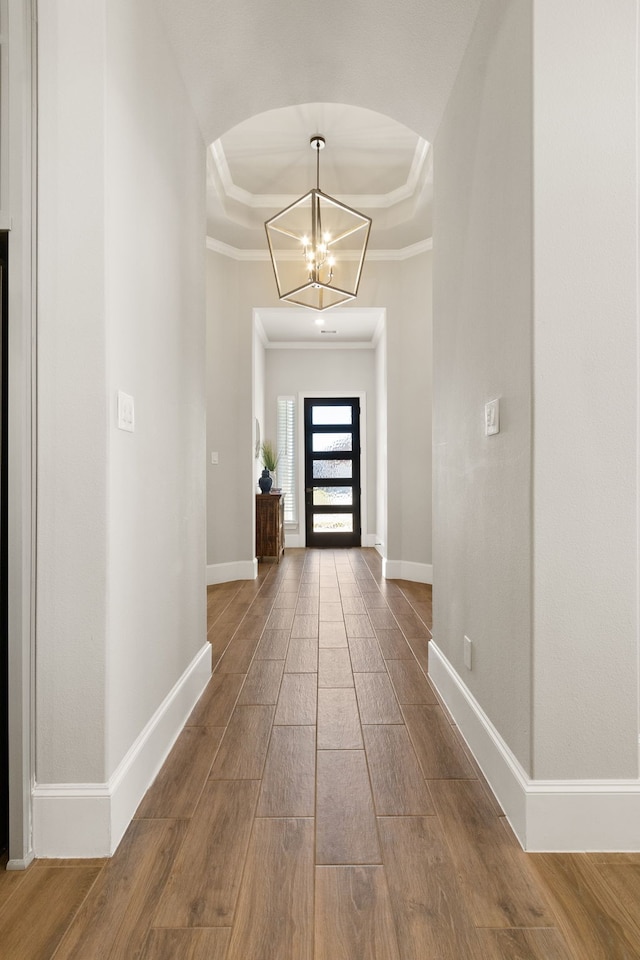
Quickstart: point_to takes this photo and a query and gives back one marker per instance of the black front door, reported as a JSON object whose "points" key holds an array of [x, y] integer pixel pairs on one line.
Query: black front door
{"points": [[332, 471]]}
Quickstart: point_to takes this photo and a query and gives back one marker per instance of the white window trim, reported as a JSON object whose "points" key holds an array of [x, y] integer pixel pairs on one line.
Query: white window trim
{"points": [[293, 502]]}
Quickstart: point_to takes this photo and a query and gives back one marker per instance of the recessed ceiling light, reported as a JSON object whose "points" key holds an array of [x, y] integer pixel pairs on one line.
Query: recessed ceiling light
{"points": [[319, 321]]}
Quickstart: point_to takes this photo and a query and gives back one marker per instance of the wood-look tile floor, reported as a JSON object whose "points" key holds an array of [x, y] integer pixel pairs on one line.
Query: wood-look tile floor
{"points": [[320, 805]]}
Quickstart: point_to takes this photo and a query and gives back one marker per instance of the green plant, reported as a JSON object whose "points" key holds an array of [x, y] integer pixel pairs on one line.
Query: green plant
{"points": [[268, 455]]}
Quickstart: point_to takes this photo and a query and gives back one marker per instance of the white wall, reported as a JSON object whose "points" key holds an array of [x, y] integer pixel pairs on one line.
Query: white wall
{"points": [[585, 383], [404, 290], [259, 388], [342, 372], [382, 460], [121, 549], [536, 302], [73, 401], [229, 411], [482, 346], [156, 335], [411, 487]]}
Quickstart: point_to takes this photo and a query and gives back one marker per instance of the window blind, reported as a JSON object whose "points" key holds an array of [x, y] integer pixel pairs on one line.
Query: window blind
{"points": [[286, 444]]}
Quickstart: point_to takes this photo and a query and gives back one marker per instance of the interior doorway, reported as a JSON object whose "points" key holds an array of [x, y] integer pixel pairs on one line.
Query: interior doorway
{"points": [[332, 471]]}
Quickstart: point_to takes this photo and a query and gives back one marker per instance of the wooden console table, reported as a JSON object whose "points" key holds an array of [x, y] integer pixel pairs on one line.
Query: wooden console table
{"points": [[269, 525]]}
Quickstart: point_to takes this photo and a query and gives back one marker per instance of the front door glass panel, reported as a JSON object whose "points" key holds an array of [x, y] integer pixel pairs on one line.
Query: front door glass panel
{"points": [[331, 442], [331, 415]]}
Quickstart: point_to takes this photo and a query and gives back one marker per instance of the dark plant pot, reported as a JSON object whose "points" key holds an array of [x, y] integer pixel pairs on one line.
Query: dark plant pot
{"points": [[265, 482]]}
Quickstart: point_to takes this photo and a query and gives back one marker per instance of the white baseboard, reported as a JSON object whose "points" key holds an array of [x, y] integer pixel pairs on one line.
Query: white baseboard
{"points": [[407, 570], [505, 774], [293, 540], [236, 570], [89, 819], [546, 815], [21, 864]]}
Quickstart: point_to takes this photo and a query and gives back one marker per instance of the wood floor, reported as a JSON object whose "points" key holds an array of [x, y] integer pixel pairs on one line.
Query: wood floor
{"points": [[320, 805]]}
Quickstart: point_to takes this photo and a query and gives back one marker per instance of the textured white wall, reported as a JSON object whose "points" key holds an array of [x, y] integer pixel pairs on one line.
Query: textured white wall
{"points": [[404, 289], [397, 58], [259, 387], [121, 599], [229, 363], [535, 539], [482, 350], [382, 460], [586, 390], [290, 372], [73, 403], [412, 474], [233, 290], [156, 337]]}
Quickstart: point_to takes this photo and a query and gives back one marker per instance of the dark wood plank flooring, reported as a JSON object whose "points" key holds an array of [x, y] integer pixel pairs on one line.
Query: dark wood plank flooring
{"points": [[320, 805]]}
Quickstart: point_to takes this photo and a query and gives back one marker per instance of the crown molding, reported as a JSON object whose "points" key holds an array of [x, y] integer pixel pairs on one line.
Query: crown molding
{"points": [[315, 345], [404, 253], [421, 169], [235, 253]]}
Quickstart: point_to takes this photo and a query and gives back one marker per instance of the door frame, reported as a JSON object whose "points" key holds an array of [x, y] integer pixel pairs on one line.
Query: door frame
{"points": [[18, 122], [328, 394], [333, 539]]}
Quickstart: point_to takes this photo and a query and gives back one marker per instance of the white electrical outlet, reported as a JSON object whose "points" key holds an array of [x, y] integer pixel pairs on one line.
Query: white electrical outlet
{"points": [[468, 650], [214, 456]]}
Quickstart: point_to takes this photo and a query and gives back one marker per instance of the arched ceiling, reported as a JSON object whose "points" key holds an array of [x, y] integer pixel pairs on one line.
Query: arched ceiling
{"points": [[370, 162], [244, 57], [373, 78]]}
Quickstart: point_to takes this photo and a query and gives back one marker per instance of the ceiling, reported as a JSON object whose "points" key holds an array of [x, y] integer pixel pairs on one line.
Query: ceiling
{"points": [[239, 59], [372, 77], [290, 327], [370, 162]]}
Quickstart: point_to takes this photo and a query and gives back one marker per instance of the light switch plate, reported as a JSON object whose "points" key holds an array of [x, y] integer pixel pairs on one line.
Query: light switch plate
{"points": [[492, 418], [126, 415], [468, 653]]}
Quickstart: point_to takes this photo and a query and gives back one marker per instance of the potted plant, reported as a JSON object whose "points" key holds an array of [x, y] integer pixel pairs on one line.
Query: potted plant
{"points": [[269, 459]]}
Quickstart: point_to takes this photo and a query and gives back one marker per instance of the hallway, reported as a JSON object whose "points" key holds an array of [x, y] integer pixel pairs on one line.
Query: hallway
{"points": [[319, 805]]}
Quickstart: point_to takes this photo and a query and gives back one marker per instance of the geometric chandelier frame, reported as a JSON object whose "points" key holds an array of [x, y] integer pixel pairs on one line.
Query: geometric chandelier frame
{"points": [[317, 246]]}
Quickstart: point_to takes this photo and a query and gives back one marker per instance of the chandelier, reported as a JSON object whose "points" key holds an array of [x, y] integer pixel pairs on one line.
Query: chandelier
{"points": [[317, 247]]}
